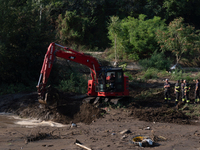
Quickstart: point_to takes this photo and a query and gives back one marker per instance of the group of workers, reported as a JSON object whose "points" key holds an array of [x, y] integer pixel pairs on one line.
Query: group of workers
{"points": [[182, 88]]}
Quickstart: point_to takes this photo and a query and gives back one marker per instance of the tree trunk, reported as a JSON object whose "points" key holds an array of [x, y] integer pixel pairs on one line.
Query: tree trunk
{"points": [[115, 50], [177, 58]]}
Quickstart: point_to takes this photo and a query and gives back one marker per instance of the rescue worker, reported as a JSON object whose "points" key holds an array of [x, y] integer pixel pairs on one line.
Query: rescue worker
{"points": [[182, 90], [177, 92], [197, 91], [167, 90], [112, 81], [186, 91]]}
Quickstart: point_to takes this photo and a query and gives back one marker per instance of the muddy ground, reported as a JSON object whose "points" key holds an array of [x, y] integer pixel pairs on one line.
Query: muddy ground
{"points": [[99, 126]]}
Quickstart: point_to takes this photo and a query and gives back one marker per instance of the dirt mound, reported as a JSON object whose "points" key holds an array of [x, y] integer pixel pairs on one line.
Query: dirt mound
{"points": [[72, 110], [85, 113], [149, 105], [160, 114], [88, 113], [145, 105]]}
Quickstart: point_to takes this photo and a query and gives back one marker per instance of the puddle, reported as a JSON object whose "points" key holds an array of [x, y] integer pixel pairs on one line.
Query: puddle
{"points": [[30, 123], [10, 120], [6, 120]]}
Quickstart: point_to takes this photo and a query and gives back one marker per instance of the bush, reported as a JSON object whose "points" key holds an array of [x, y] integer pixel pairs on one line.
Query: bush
{"points": [[76, 84], [130, 77], [6, 88], [150, 73], [179, 74], [157, 61], [163, 73]]}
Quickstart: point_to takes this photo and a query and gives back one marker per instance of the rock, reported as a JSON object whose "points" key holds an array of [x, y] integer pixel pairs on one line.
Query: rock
{"points": [[124, 136], [73, 125], [148, 128], [113, 133]]}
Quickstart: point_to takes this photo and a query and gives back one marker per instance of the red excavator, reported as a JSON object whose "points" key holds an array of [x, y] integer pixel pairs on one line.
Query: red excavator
{"points": [[106, 81]]}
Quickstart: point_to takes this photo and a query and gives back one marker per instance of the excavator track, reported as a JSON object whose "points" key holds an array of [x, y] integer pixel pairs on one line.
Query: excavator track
{"points": [[100, 100], [54, 98]]}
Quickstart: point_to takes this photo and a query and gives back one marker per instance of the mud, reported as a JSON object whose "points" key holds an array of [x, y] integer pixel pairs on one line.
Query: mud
{"points": [[162, 114], [72, 110], [148, 108], [99, 127], [151, 107]]}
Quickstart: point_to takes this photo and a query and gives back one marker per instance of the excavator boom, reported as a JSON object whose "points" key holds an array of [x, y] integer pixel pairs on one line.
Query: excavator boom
{"points": [[68, 54], [98, 86]]}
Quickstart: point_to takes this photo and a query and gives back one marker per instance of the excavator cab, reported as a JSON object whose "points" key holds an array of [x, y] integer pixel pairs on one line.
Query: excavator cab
{"points": [[112, 83], [115, 80]]}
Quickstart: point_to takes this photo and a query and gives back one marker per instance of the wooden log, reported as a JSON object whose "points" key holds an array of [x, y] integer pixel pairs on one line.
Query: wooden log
{"points": [[81, 145]]}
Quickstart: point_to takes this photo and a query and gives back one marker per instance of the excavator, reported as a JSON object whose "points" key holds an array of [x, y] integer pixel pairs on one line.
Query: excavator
{"points": [[105, 81]]}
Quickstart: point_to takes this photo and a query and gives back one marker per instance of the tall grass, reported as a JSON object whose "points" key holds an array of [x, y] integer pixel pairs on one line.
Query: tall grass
{"points": [[76, 84], [157, 61], [150, 73], [179, 74]]}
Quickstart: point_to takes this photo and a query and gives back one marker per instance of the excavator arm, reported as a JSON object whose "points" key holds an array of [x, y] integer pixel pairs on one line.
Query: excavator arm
{"points": [[68, 54]]}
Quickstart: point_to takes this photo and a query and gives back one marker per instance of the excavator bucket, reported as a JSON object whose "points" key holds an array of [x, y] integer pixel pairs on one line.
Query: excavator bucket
{"points": [[50, 97], [43, 100]]}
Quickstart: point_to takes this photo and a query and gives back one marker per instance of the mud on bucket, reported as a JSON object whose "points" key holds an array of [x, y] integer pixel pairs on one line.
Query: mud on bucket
{"points": [[142, 141]]}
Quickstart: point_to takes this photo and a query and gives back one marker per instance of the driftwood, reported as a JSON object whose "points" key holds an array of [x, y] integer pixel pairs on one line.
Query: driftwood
{"points": [[81, 145]]}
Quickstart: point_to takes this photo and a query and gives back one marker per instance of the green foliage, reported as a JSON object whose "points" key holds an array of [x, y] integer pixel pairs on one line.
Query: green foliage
{"points": [[127, 73], [197, 76], [192, 70], [123, 66], [157, 60], [180, 39], [24, 38], [28, 27], [163, 73], [193, 110], [136, 36], [154, 8], [76, 25], [114, 31], [188, 9], [150, 73], [15, 88], [130, 77], [175, 8], [73, 27], [179, 74], [75, 84]]}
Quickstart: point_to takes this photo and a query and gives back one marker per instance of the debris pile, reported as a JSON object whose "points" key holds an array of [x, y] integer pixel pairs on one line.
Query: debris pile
{"points": [[72, 111]]}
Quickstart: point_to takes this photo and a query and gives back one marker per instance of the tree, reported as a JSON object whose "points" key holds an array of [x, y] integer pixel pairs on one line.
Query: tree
{"points": [[137, 36], [153, 8], [187, 9], [113, 29], [179, 38], [24, 38]]}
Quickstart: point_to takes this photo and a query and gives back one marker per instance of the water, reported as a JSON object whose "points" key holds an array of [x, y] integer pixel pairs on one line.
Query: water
{"points": [[10, 120], [6, 120]]}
